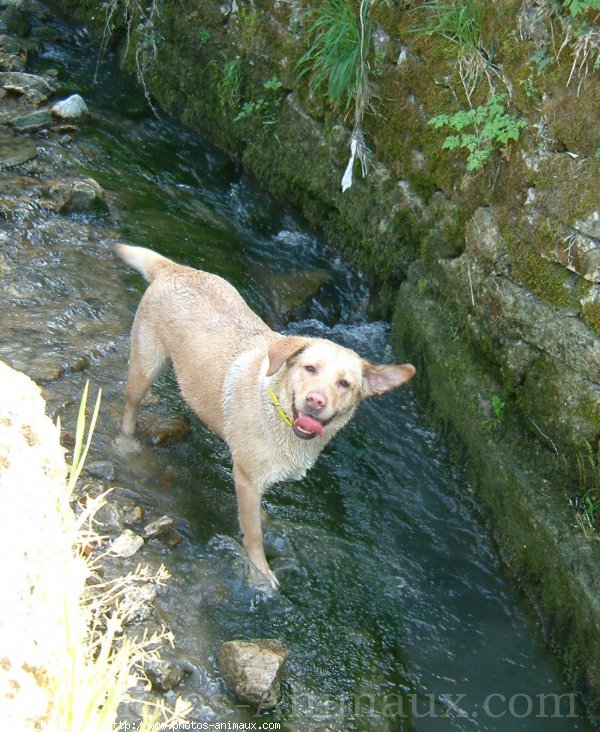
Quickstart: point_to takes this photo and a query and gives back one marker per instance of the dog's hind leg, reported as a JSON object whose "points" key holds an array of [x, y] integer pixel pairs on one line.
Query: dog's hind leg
{"points": [[147, 361]]}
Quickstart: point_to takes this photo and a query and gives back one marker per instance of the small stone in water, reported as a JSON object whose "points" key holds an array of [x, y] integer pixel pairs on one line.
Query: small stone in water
{"points": [[102, 469], [127, 544], [252, 669], [74, 107], [158, 527], [133, 515], [164, 675]]}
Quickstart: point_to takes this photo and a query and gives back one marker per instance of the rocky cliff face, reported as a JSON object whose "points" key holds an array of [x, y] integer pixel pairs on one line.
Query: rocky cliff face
{"points": [[493, 275]]}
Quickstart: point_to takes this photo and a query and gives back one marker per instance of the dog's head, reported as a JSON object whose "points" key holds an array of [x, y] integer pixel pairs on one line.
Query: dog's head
{"points": [[324, 382]]}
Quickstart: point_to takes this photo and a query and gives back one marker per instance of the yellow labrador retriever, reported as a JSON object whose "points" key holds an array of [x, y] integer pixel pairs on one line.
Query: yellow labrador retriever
{"points": [[275, 400]]}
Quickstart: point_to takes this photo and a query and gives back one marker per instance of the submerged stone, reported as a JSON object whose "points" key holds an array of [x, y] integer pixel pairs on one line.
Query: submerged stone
{"points": [[15, 151], [84, 196], [163, 429]]}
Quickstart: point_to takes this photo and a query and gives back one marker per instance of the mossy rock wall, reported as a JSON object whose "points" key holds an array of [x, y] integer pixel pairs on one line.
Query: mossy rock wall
{"points": [[493, 277]]}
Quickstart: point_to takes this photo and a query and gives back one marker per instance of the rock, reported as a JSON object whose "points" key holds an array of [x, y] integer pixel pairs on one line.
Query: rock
{"points": [[3, 26], [15, 151], [45, 34], [132, 515], [164, 675], [252, 669], [110, 518], [579, 253], [84, 196], [293, 292], [484, 241], [32, 121], [10, 62], [102, 469], [16, 21], [159, 527], [73, 107], [590, 226], [127, 544], [137, 602], [36, 89], [164, 430], [10, 45]]}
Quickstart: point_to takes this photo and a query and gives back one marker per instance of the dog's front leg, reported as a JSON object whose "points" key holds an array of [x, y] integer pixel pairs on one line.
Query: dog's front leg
{"points": [[249, 505]]}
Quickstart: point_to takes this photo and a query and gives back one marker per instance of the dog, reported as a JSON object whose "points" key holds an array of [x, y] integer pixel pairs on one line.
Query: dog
{"points": [[276, 400]]}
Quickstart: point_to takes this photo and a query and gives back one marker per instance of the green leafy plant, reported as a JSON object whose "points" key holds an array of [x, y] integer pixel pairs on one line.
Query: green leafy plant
{"points": [[229, 85], [498, 407], [480, 131], [579, 7], [266, 107]]}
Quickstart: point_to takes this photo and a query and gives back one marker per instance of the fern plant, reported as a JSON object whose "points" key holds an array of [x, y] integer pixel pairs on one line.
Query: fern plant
{"points": [[480, 131], [578, 7]]}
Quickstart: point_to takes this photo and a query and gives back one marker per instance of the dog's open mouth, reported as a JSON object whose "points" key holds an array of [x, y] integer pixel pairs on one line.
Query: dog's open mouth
{"points": [[306, 427]]}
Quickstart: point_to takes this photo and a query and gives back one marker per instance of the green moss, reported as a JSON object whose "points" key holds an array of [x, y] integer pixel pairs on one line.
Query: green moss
{"points": [[546, 279], [590, 312]]}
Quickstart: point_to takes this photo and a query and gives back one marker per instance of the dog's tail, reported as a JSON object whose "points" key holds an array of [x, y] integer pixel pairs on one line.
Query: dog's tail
{"points": [[144, 260]]}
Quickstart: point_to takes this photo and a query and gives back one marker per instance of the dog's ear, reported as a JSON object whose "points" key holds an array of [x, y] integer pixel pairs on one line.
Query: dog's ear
{"points": [[282, 350], [379, 379]]}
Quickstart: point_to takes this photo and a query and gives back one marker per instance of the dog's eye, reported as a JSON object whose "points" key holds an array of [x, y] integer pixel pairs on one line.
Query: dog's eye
{"points": [[310, 369], [344, 384]]}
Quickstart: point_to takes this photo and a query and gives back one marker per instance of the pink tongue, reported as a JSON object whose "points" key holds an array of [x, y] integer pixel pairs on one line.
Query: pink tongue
{"points": [[308, 424]]}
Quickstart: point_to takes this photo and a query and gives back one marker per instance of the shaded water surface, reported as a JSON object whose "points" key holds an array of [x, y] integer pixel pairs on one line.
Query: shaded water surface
{"points": [[394, 604]]}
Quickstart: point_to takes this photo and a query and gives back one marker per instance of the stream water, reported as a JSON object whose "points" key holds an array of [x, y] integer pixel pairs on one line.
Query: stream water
{"points": [[394, 604]]}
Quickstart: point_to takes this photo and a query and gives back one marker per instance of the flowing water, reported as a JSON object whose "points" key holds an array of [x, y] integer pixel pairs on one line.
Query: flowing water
{"points": [[394, 604]]}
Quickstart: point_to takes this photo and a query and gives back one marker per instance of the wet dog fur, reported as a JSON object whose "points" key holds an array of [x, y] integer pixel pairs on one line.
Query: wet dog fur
{"points": [[276, 400]]}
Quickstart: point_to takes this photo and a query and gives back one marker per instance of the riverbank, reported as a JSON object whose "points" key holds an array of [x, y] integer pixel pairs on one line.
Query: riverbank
{"points": [[491, 275]]}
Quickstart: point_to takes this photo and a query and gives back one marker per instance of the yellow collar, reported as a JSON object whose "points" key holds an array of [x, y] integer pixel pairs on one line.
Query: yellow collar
{"points": [[279, 408]]}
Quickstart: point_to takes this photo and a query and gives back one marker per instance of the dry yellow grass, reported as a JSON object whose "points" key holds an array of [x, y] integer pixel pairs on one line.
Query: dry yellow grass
{"points": [[65, 665]]}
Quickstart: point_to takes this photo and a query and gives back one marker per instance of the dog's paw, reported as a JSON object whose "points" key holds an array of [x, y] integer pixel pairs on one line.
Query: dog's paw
{"points": [[125, 445], [262, 580]]}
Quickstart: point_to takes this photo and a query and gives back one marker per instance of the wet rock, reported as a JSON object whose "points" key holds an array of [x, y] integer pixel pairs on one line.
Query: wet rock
{"points": [[252, 669], [73, 107], [32, 121], [45, 34], [10, 62], [164, 430], [110, 518], [17, 22], [137, 602], [127, 544], [164, 675], [84, 196], [291, 292], [102, 469], [34, 88], [157, 528], [132, 515], [10, 45], [15, 151]]}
